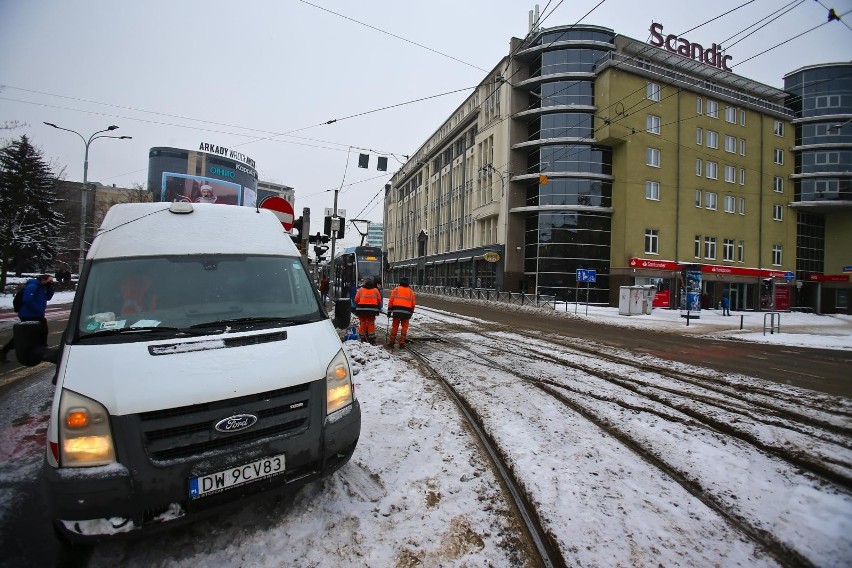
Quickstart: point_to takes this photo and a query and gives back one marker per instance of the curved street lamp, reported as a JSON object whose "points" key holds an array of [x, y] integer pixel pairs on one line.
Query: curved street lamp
{"points": [[87, 142]]}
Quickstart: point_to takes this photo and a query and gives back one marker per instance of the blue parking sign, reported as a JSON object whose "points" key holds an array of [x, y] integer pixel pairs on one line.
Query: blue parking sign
{"points": [[587, 275]]}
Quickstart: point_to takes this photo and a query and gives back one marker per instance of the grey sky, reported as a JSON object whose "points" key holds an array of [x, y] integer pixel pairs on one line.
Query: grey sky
{"points": [[233, 74]]}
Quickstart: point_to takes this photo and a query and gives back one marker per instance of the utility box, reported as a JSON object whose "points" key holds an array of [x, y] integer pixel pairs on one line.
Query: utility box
{"points": [[636, 300]]}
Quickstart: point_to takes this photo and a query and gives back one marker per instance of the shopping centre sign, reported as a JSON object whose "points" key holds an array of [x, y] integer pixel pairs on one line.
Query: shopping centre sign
{"points": [[713, 55]]}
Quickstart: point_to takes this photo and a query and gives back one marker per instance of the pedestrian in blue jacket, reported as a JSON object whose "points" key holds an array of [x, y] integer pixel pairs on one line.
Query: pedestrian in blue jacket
{"points": [[33, 306]]}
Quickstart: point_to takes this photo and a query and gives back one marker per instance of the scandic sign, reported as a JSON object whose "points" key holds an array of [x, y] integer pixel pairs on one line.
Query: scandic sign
{"points": [[706, 268], [711, 56]]}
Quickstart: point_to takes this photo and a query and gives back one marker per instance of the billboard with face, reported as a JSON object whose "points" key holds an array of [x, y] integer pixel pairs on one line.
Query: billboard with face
{"points": [[201, 176], [198, 189]]}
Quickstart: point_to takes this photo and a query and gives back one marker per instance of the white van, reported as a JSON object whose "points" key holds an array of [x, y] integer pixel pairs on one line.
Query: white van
{"points": [[198, 369]]}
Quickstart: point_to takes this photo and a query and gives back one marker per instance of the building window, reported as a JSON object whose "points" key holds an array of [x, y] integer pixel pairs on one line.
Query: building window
{"points": [[712, 170], [742, 146], [698, 106], [712, 139], [779, 128], [741, 251], [710, 200], [742, 206], [730, 203], [779, 156], [697, 251], [828, 101], [777, 255], [652, 190], [699, 167], [728, 249], [712, 109], [710, 248], [652, 241], [699, 136], [730, 174], [742, 176], [731, 115], [652, 157], [777, 212], [730, 144], [698, 200], [778, 184], [742, 118], [652, 91], [652, 124]]}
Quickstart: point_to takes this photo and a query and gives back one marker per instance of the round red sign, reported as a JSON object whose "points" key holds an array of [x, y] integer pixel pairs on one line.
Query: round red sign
{"points": [[282, 209]]}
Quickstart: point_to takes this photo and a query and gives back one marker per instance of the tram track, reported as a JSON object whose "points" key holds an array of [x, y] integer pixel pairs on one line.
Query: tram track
{"points": [[671, 404]]}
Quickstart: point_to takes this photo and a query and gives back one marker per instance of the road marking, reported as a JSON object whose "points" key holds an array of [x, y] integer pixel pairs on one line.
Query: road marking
{"points": [[795, 372]]}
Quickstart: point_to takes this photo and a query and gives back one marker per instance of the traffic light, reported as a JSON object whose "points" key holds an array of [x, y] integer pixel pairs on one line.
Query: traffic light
{"points": [[319, 251], [297, 227], [318, 238], [327, 226]]}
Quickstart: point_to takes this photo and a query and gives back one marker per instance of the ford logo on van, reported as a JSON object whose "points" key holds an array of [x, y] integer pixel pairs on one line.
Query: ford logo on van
{"points": [[236, 423]]}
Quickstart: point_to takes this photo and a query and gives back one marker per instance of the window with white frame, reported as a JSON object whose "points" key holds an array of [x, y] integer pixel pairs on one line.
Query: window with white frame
{"points": [[699, 136], [728, 249], [730, 174], [777, 212], [710, 200], [742, 117], [698, 106], [652, 91], [825, 158], [652, 157], [730, 144], [712, 170], [778, 156], [697, 251], [777, 255], [730, 203], [779, 128], [698, 198], [741, 251], [712, 139], [699, 167], [742, 206], [731, 115], [828, 101], [710, 248], [652, 190], [742, 176], [652, 124], [778, 184], [712, 109], [652, 241], [742, 146]]}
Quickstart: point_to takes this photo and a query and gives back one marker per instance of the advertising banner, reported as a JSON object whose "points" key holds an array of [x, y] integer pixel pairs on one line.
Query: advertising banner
{"points": [[690, 297], [198, 189]]}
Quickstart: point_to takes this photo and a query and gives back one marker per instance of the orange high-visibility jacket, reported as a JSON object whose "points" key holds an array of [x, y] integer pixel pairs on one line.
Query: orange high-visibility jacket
{"points": [[401, 303], [368, 301]]}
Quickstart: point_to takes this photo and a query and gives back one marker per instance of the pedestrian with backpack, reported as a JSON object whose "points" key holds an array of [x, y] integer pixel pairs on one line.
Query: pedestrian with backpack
{"points": [[400, 307], [32, 307]]}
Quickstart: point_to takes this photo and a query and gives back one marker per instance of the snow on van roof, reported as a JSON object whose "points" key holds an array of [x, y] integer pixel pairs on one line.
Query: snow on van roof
{"points": [[147, 229]]}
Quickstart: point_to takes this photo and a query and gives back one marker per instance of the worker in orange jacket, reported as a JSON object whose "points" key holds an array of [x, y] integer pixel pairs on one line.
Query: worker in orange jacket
{"points": [[368, 304], [400, 308]]}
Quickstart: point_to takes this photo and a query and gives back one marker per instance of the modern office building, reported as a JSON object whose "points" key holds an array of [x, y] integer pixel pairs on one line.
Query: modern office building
{"points": [[821, 98], [634, 162], [375, 234]]}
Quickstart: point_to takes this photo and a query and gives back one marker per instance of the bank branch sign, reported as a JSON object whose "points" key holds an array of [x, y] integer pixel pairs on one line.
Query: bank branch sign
{"points": [[712, 55]]}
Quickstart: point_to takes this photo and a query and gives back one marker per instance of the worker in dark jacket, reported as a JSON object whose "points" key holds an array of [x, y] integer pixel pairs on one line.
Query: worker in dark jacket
{"points": [[368, 304], [33, 307], [400, 308]]}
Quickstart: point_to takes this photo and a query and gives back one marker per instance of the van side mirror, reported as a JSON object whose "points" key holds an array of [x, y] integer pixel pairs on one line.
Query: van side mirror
{"points": [[29, 349], [342, 313]]}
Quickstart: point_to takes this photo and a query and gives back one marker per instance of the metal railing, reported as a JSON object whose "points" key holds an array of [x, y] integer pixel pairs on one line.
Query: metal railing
{"points": [[490, 295], [774, 326]]}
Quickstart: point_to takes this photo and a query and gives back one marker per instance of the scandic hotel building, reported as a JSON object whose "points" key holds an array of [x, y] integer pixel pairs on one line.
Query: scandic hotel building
{"points": [[587, 150]]}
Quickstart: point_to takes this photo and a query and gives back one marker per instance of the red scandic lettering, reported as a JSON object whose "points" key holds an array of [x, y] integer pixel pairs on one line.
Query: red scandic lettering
{"points": [[656, 36]]}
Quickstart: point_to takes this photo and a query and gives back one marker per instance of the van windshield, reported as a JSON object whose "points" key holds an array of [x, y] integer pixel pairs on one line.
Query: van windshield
{"points": [[183, 292]]}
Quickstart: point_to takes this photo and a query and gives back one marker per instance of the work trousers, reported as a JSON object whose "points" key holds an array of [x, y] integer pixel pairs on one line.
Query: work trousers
{"points": [[394, 327], [367, 328]]}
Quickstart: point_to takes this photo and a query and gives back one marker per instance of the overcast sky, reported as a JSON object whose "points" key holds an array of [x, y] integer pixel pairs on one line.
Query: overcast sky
{"points": [[234, 74]]}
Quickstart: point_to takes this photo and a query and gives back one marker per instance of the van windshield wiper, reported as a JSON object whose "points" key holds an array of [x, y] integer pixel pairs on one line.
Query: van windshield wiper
{"points": [[245, 321], [140, 330]]}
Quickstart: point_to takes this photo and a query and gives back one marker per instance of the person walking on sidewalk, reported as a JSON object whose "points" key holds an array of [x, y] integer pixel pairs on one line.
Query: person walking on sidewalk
{"points": [[368, 304], [400, 307], [33, 306], [323, 289], [726, 305]]}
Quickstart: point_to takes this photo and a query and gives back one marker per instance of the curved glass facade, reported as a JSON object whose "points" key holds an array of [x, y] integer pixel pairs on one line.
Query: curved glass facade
{"points": [[569, 235]]}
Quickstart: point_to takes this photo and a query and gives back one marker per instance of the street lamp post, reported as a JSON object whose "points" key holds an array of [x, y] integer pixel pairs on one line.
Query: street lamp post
{"points": [[87, 142]]}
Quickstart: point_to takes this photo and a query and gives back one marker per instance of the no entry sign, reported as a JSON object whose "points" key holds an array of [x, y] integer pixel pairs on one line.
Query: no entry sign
{"points": [[282, 209]]}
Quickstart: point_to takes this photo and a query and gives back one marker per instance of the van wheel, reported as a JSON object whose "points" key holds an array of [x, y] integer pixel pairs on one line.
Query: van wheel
{"points": [[71, 554]]}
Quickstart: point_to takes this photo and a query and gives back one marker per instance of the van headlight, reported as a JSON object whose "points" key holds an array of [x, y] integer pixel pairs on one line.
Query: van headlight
{"points": [[84, 436], [338, 384]]}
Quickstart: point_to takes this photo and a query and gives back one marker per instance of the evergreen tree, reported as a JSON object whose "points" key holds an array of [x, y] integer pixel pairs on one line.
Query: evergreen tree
{"points": [[30, 222]]}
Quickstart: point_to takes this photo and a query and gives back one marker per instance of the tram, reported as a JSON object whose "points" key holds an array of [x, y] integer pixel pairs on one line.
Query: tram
{"points": [[354, 264]]}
